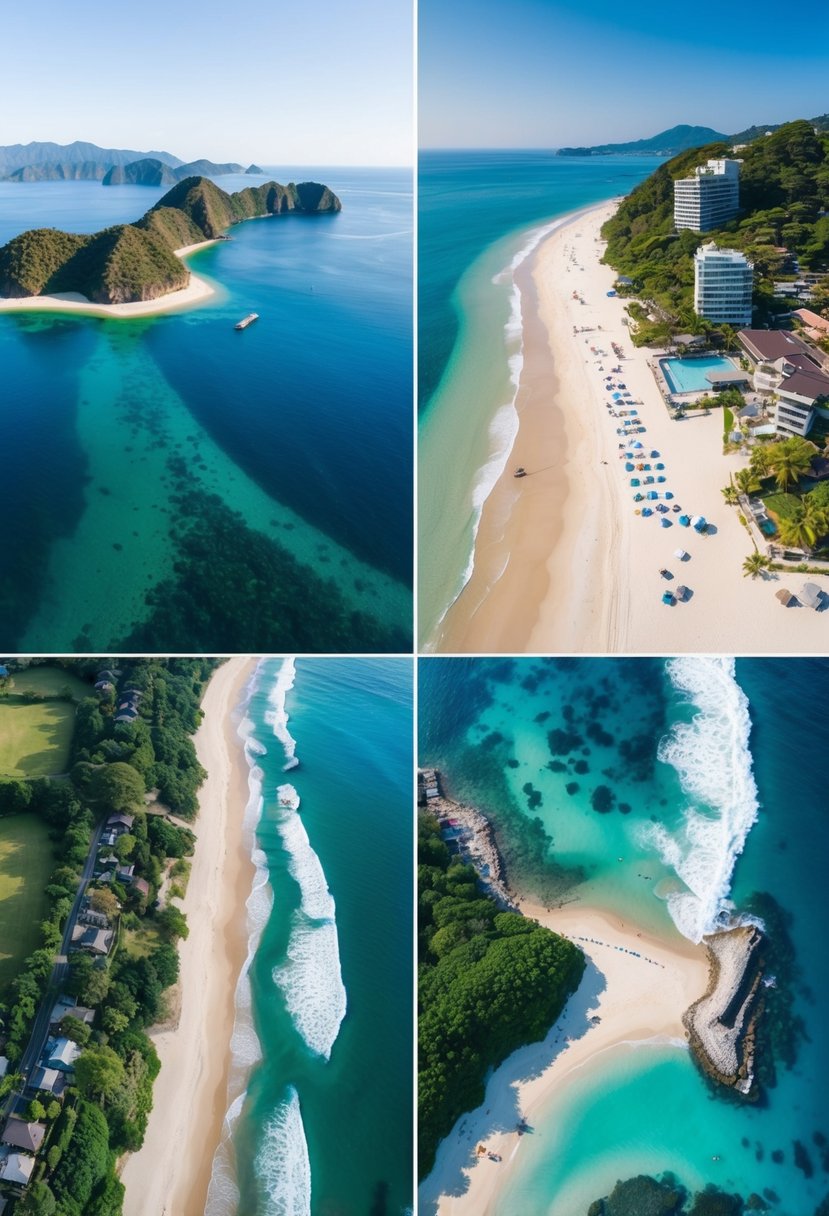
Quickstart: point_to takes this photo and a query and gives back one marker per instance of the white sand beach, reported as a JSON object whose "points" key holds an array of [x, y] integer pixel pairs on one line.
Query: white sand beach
{"points": [[632, 999], [169, 1176], [197, 291], [562, 562]]}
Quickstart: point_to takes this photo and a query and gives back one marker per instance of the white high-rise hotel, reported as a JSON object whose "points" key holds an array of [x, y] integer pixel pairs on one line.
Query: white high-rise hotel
{"points": [[708, 199], [723, 281]]}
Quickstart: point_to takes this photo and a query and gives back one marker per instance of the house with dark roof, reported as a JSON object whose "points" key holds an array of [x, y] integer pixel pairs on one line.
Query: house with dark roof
{"points": [[791, 372], [47, 1079], [21, 1134], [120, 823], [88, 937]]}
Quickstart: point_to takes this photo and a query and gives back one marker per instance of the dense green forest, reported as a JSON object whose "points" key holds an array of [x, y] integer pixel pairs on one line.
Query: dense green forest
{"points": [[130, 262], [784, 188], [488, 983], [105, 1111]]}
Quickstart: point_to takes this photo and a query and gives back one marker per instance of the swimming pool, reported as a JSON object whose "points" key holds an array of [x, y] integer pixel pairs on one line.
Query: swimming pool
{"points": [[688, 375]]}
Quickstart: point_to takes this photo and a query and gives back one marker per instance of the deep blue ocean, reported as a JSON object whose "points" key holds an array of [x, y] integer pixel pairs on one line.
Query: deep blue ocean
{"points": [[124, 430], [321, 1083], [717, 795]]}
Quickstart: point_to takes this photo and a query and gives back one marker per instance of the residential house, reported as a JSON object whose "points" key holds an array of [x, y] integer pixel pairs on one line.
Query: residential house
{"points": [[61, 1054], [20, 1134], [17, 1168]]}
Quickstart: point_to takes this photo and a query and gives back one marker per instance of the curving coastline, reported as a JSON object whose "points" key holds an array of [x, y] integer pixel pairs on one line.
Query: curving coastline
{"points": [[475, 840], [636, 990]]}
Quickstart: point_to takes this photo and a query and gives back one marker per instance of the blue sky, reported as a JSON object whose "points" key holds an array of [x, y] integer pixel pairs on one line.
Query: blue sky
{"points": [[299, 83], [541, 73]]}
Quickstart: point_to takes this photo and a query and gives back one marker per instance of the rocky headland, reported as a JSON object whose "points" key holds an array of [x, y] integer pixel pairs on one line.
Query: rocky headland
{"points": [[472, 834], [138, 262], [721, 1025]]}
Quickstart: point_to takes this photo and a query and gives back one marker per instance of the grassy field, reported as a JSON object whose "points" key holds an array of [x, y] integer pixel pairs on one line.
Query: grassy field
{"points": [[25, 865], [50, 682], [35, 739], [138, 943]]}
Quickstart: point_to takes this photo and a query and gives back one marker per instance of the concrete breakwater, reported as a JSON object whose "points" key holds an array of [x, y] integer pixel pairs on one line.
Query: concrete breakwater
{"points": [[469, 833], [721, 1025]]}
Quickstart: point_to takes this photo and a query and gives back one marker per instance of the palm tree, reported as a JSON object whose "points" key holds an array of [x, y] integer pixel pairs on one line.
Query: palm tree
{"points": [[805, 526], [731, 495], [747, 481], [792, 459], [761, 460], [755, 564]]}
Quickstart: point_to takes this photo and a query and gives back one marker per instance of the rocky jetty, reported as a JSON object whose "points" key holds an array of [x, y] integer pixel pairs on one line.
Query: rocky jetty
{"points": [[721, 1024], [471, 832]]}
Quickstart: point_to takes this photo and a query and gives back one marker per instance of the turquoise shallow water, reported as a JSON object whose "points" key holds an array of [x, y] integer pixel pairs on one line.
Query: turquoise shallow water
{"points": [[479, 216], [725, 799], [129, 433], [323, 1122]]}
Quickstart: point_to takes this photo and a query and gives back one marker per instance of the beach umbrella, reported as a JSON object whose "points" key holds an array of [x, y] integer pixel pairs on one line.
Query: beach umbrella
{"points": [[698, 522], [647, 511], [651, 494], [660, 465], [661, 508], [637, 444], [654, 452], [629, 467], [634, 481], [667, 598], [668, 494], [638, 497], [811, 595], [685, 520], [681, 592], [648, 481], [665, 522], [784, 596], [621, 385], [617, 396], [661, 477], [681, 554]]}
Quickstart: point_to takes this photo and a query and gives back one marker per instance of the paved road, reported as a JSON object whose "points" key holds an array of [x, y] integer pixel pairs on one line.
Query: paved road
{"points": [[60, 970]]}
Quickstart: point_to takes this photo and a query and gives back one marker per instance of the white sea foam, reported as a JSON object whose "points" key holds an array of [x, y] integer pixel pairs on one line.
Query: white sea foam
{"points": [[713, 761], [503, 428], [283, 1169], [311, 983], [311, 977], [277, 715]]}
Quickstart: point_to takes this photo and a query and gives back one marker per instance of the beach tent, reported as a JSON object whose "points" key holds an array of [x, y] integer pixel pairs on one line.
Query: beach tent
{"points": [[811, 595], [681, 554], [667, 598], [681, 592], [652, 494], [634, 481], [685, 520]]}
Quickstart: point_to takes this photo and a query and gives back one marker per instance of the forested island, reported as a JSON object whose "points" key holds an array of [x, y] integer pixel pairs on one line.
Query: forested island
{"points": [[489, 982], [133, 262], [784, 194], [106, 855], [83, 162]]}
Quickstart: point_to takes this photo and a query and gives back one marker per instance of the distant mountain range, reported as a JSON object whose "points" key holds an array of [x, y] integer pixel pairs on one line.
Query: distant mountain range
{"points": [[681, 139], [46, 162]]}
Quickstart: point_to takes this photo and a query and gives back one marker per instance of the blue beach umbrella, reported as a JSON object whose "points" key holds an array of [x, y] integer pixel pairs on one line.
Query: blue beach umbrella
{"points": [[660, 465], [668, 494], [629, 467], [634, 481], [651, 494], [665, 522], [667, 598], [654, 452], [647, 510], [685, 520], [661, 477]]}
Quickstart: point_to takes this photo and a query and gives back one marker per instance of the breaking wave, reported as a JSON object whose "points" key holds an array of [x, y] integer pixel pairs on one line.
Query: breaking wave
{"points": [[283, 1170], [713, 761], [277, 715]]}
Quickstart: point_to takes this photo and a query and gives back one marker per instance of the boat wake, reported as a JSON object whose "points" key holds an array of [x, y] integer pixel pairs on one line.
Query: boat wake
{"points": [[713, 761], [311, 977], [283, 1170]]}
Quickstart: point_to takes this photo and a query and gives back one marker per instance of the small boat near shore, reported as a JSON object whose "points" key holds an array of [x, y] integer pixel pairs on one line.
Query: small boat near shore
{"points": [[246, 321]]}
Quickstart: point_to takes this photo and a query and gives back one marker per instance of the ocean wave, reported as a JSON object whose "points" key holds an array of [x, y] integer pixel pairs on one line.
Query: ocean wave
{"points": [[503, 429], [311, 983], [304, 865], [283, 1169], [277, 715], [712, 758], [222, 1192]]}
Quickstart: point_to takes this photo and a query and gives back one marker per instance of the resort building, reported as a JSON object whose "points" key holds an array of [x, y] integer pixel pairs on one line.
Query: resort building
{"points": [[710, 198], [791, 372], [723, 283]]}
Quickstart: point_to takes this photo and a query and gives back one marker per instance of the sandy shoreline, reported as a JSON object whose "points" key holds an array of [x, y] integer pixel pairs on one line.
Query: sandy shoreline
{"points": [[171, 1172], [635, 1000], [198, 291], [562, 564]]}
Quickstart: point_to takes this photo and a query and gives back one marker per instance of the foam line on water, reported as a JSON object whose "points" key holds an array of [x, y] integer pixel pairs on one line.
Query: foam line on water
{"points": [[245, 1048], [712, 758], [277, 715], [503, 428], [311, 976], [283, 1168]]}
